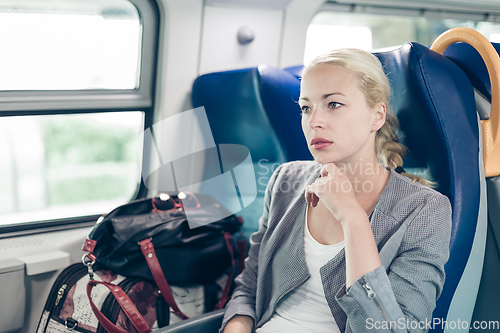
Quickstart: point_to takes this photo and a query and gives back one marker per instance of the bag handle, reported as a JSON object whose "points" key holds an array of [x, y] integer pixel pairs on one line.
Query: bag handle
{"points": [[148, 250], [126, 304]]}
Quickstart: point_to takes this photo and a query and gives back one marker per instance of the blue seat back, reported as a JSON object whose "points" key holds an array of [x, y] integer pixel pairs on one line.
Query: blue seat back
{"points": [[235, 112], [487, 302], [295, 70], [257, 108], [434, 102], [470, 61]]}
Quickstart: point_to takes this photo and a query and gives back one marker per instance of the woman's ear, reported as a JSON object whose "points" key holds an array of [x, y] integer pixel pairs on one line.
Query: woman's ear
{"points": [[379, 119]]}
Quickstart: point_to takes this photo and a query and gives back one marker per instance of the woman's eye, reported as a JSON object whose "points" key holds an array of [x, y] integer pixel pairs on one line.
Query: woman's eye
{"points": [[334, 105], [305, 109]]}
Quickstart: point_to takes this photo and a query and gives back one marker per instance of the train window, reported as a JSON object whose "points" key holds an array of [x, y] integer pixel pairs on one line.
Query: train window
{"points": [[59, 45], [374, 27], [76, 91], [67, 165]]}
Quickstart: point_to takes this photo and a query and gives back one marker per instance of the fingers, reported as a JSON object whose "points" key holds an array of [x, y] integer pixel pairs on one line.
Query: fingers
{"points": [[324, 170], [331, 180], [315, 200], [330, 169], [307, 196], [311, 197], [311, 193]]}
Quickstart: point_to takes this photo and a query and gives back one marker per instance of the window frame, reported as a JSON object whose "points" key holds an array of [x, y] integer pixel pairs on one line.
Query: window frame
{"points": [[480, 12], [428, 11], [50, 102], [47, 101]]}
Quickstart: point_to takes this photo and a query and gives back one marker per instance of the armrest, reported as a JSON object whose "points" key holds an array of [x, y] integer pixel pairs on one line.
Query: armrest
{"points": [[206, 323]]}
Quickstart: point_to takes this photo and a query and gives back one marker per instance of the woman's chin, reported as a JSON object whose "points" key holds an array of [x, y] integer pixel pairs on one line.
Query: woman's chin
{"points": [[323, 160]]}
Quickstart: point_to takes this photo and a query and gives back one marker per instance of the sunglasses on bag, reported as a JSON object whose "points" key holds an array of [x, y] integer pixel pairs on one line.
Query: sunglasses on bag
{"points": [[164, 202]]}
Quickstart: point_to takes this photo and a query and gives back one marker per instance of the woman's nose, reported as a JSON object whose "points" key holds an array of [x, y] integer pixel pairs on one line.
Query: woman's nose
{"points": [[316, 120]]}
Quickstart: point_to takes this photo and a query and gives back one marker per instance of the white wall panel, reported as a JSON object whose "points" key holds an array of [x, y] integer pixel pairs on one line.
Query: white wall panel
{"points": [[179, 50], [220, 49], [299, 14]]}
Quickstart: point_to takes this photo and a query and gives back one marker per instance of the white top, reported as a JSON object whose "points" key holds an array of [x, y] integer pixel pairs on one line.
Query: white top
{"points": [[305, 310]]}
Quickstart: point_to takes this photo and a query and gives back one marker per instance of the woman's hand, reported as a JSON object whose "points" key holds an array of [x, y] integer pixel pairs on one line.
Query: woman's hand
{"points": [[335, 190], [239, 324]]}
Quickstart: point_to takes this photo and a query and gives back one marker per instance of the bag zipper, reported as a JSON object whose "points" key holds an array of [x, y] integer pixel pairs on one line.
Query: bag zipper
{"points": [[77, 328], [79, 272], [57, 291], [372, 295]]}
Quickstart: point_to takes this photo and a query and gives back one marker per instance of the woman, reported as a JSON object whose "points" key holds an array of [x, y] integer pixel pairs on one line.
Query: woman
{"points": [[346, 243]]}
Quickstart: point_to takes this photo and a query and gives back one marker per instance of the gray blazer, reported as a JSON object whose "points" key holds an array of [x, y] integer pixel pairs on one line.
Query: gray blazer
{"points": [[411, 224]]}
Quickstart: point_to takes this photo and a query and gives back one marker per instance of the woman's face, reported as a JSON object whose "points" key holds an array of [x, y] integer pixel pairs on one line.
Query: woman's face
{"points": [[338, 124]]}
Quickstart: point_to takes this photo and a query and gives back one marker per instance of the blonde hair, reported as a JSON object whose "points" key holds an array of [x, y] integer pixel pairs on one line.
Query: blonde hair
{"points": [[376, 88]]}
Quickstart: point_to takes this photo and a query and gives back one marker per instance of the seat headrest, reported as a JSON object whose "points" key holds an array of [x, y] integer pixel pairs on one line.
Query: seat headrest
{"points": [[236, 113], [470, 61], [295, 70], [257, 108], [434, 102], [280, 92]]}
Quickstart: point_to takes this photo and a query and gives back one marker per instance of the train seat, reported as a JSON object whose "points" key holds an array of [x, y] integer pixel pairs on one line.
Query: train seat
{"points": [[434, 102], [470, 61], [295, 70], [407, 71], [252, 107]]}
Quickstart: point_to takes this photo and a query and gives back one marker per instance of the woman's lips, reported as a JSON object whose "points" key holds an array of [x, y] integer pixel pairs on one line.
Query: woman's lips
{"points": [[320, 143]]}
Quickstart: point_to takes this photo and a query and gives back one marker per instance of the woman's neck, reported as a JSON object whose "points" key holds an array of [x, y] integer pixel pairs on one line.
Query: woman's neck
{"points": [[368, 180]]}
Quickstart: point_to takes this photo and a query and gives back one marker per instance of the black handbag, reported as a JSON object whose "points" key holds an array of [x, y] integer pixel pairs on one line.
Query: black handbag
{"points": [[152, 239]]}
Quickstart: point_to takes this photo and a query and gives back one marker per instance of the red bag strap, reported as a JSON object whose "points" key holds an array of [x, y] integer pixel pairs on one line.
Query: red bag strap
{"points": [[126, 304], [225, 294], [148, 250]]}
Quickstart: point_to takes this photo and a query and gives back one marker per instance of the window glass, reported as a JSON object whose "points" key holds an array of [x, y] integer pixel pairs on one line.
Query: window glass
{"points": [[57, 166], [336, 29], [69, 45]]}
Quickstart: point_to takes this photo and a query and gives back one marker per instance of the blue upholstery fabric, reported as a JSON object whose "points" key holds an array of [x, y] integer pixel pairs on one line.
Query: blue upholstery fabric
{"points": [[435, 105], [257, 108], [432, 98], [487, 302], [470, 61], [235, 112], [295, 70], [280, 92]]}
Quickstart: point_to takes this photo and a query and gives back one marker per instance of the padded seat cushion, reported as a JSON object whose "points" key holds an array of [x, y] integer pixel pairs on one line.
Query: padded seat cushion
{"points": [[434, 102]]}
